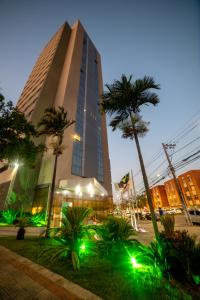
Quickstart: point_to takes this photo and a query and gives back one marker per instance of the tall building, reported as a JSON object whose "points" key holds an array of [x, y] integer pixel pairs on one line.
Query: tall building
{"points": [[68, 73]]}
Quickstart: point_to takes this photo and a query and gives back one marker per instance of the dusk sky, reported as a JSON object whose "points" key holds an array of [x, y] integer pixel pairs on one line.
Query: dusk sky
{"points": [[141, 37]]}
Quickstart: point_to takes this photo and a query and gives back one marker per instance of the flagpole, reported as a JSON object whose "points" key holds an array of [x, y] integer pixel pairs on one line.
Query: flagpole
{"points": [[134, 197], [130, 209]]}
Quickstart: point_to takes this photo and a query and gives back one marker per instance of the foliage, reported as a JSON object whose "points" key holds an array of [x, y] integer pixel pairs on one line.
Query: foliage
{"points": [[114, 235], [27, 181], [23, 222], [177, 256], [16, 135], [54, 123], [119, 229], [9, 215], [124, 96], [38, 219], [141, 201], [71, 234], [156, 254], [126, 126], [168, 222], [12, 198], [187, 253]]}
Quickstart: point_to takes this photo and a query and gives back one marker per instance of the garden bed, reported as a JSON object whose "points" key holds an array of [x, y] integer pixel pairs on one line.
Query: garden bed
{"points": [[106, 276]]}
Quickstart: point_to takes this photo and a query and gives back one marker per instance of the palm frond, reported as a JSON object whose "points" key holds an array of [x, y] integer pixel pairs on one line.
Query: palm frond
{"points": [[54, 252], [125, 96], [144, 84], [54, 122], [130, 125]]}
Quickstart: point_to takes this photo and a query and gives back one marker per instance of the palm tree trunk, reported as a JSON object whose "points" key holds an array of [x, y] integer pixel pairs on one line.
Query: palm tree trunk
{"points": [[51, 196], [146, 184]]}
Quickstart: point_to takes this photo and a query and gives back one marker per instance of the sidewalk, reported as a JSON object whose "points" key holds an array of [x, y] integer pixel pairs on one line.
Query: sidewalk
{"points": [[12, 230], [21, 279]]}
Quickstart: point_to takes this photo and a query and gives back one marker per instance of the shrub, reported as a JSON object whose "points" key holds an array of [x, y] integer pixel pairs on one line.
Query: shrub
{"points": [[187, 252], [9, 215], [70, 235], [38, 219], [114, 235], [168, 222], [177, 256]]}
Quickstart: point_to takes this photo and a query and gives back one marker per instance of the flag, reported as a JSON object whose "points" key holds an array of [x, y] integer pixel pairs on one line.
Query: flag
{"points": [[124, 181]]}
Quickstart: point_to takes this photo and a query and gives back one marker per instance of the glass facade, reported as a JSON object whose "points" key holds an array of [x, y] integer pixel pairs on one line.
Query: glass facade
{"points": [[78, 146], [88, 153]]}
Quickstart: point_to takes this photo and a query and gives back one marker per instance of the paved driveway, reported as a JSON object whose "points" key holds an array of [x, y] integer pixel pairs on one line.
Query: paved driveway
{"points": [[180, 224]]}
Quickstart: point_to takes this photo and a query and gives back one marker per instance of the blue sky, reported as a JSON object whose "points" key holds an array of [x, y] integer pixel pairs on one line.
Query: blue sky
{"points": [[140, 37]]}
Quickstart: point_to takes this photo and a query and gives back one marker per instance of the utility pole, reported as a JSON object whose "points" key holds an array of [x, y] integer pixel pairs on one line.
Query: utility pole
{"points": [[178, 188]]}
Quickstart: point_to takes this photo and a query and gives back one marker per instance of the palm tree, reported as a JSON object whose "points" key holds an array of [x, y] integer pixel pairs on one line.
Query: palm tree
{"points": [[123, 101], [71, 235], [73, 230], [114, 234], [54, 123]]}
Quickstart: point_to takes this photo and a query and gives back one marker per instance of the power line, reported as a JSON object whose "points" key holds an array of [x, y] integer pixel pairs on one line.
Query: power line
{"points": [[188, 144]]}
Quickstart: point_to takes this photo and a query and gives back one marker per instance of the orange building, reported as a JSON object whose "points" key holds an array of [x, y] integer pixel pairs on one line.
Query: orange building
{"points": [[190, 185], [172, 194], [159, 196]]}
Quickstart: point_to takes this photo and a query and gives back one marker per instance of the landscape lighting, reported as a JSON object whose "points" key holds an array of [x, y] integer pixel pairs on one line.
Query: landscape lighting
{"points": [[134, 263], [78, 189]]}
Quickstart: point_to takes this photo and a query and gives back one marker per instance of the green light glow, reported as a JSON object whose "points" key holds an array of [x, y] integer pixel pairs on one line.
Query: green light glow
{"points": [[196, 279], [82, 247], [134, 263]]}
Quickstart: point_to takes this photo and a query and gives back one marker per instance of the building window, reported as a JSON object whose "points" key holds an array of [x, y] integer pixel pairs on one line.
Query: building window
{"points": [[189, 179]]}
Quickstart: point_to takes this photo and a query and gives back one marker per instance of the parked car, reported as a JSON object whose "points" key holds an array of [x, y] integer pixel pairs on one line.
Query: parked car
{"points": [[194, 215], [148, 216], [173, 211]]}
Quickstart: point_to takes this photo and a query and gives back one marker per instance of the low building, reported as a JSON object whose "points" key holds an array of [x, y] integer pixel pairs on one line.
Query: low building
{"points": [[172, 194], [190, 185], [86, 192], [159, 196]]}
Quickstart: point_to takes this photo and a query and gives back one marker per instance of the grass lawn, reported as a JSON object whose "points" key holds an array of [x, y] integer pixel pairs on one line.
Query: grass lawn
{"points": [[115, 279]]}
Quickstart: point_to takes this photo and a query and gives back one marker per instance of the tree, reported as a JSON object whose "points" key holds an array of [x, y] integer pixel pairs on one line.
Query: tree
{"points": [[54, 123], [123, 101], [16, 135], [141, 200]]}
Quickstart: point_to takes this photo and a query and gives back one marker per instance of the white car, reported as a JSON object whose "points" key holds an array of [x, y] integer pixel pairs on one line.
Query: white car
{"points": [[194, 215]]}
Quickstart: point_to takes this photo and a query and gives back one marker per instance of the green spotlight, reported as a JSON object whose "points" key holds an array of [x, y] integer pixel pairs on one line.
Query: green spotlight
{"points": [[134, 262], [82, 247]]}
